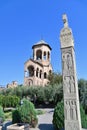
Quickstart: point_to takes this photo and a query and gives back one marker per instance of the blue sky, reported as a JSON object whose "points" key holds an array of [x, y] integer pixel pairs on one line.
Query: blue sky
{"points": [[24, 22]]}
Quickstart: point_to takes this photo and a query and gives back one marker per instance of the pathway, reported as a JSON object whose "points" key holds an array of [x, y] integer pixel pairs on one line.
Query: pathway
{"points": [[45, 120]]}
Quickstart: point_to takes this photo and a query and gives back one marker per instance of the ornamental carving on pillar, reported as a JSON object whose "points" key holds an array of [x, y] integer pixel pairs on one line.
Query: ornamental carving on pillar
{"points": [[70, 86]]}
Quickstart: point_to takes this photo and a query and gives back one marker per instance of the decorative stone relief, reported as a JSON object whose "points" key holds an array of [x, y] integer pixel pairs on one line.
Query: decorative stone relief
{"points": [[66, 35], [66, 84], [67, 110], [69, 127], [75, 127], [71, 99], [67, 63], [72, 84], [73, 110], [69, 84], [70, 110]]}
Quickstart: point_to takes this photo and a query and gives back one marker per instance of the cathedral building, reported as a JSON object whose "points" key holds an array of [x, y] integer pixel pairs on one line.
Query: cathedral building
{"points": [[37, 69]]}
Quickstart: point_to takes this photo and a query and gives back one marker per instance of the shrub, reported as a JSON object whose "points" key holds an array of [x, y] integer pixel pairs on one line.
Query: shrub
{"points": [[83, 117], [2, 116], [58, 117], [25, 114], [16, 117], [9, 101]]}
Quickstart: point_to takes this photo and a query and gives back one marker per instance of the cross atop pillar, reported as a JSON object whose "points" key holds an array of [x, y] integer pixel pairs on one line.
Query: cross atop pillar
{"points": [[65, 20]]}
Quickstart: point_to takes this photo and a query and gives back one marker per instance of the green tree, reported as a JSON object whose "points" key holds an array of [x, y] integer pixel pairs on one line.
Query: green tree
{"points": [[83, 93], [55, 78], [2, 115]]}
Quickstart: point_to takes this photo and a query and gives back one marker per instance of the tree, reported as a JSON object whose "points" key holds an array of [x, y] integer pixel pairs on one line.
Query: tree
{"points": [[83, 93], [55, 78]]}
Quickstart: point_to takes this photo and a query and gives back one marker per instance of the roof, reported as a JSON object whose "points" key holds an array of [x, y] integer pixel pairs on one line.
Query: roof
{"points": [[33, 62], [40, 43]]}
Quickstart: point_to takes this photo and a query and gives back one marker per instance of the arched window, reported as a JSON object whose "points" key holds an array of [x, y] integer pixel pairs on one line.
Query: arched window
{"points": [[30, 82], [31, 71], [37, 72], [45, 75], [44, 55], [39, 55]]}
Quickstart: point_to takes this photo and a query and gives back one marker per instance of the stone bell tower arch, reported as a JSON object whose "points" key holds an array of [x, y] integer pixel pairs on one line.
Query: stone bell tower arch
{"points": [[70, 86]]}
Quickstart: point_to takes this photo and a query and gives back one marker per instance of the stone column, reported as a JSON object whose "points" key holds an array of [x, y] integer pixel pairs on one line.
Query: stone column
{"points": [[34, 72], [70, 86], [42, 55], [34, 54], [46, 55], [34, 77]]}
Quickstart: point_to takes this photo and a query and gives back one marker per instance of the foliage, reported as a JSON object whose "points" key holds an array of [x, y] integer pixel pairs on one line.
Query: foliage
{"points": [[83, 93], [38, 95], [8, 115], [25, 114], [40, 112], [58, 117], [9, 101], [16, 117], [55, 78], [83, 117], [2, 115]]}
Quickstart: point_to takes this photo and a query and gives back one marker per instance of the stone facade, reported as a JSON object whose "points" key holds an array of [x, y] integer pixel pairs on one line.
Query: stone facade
{"points": [[12, 85], [37, 69], [70, 86]]}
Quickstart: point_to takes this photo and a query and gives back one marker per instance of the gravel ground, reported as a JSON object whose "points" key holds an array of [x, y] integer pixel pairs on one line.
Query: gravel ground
{"points": [[45, 120]]}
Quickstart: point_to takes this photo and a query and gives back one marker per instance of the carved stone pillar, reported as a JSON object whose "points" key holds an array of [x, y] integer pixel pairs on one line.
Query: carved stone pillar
{"points": [[70, 86]]}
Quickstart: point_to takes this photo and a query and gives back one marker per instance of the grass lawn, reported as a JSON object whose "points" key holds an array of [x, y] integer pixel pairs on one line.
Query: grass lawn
{"points": [[8, 115]]}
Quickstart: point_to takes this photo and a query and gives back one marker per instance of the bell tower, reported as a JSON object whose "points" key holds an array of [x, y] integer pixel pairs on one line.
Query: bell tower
{"points": [[38, 68]]}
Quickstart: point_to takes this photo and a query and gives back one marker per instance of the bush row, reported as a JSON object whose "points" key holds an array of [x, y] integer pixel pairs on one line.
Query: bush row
{"points": [[9, 101]]}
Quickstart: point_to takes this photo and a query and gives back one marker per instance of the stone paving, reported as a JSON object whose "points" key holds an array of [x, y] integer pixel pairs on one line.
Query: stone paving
{"points": [[45, 120]]}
